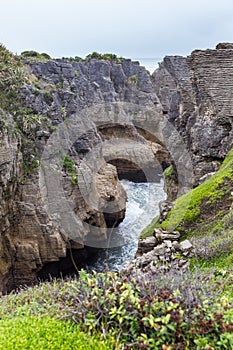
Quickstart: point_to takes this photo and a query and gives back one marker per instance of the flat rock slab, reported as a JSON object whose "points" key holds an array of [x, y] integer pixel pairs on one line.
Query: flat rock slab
{"points": [[185, 245]]}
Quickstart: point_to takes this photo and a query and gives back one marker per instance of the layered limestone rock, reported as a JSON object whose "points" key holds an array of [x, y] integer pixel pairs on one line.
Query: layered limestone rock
{"points": [[29, 239], [9, 171], [196, 95], [32, 243], [59, 88], [193, 94]]}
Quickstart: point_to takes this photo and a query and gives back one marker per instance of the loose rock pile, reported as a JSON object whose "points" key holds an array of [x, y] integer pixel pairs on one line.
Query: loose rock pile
{"points": [[162, 252]]}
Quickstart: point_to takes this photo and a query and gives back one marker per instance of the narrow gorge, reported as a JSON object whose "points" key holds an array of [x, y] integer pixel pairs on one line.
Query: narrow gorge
{"points": [[98, 122]]}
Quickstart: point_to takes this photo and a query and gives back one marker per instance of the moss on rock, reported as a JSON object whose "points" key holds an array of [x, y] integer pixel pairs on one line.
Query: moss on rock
{"points": [[204, 205], [204, 202]]}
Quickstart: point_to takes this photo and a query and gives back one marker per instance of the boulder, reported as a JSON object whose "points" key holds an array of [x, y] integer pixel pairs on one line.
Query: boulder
{"points": [[185, 245], [161, 235]]}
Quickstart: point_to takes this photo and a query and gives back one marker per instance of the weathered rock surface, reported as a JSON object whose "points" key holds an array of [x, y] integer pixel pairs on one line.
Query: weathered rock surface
{"points": [[164, 208], [72, 86], [161, 252], [196, 95], [31, 243], [29, 239]]}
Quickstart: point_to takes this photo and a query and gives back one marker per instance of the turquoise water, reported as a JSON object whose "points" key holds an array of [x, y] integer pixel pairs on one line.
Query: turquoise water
{"points": [[149, 63]]}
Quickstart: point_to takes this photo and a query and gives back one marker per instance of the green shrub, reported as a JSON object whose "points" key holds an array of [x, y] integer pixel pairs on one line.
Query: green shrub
{"points": [[105, 56], [133, 79], [69, 166], [36, 56], [72, 59], [45, 55], [141, 311], [24, 333], [168, 171], [12, 76], [30, 53]]}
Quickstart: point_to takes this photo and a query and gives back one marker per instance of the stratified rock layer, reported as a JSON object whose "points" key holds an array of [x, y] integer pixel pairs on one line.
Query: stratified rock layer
{"points": [[31, 243], [196, 95]]}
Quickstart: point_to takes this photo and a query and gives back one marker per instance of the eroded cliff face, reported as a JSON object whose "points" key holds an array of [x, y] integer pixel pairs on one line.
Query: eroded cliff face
{"points": [[29, 239], [60, 88], [196, 95], [193, 94], [32, 244]]}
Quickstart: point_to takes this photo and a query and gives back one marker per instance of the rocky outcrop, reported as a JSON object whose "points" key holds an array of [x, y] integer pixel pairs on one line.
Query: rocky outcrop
{"points": [[161, 252], [195, 93], [32, 243], [59, 88]]}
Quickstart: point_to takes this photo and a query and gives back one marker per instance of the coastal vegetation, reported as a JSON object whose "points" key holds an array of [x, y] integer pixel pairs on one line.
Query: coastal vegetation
{"points": [[182, 310], [105, 56], [96, 55], [116, 311], [204, 202], [69, 166], [35, 56], [12, 76]]}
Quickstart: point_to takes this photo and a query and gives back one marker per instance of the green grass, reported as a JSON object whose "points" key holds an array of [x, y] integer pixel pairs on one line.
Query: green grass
{"points": [[29, 333], [149, 229], [203, 203], [130, 311]]}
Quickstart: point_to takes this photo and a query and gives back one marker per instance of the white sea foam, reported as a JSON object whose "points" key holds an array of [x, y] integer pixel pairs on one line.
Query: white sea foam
{"points": [[141, 208]]}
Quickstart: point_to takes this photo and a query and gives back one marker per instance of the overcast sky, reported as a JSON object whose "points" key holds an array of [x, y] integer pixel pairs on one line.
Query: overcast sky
{"points": [[129, 28]]}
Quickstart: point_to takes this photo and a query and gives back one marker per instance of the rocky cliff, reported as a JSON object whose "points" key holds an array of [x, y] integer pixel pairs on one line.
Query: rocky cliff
{"points": [[196, 95], [47, 94], [193, 94]]}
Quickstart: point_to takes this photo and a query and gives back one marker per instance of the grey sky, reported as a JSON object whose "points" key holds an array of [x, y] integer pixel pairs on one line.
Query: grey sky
{"points": [[130, 28]]}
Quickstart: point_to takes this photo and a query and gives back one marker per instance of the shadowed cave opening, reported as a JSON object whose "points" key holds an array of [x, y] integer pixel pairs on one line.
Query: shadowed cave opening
{"points": [[88, 257], [126, 170], [66, 267], [85, 257]]}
